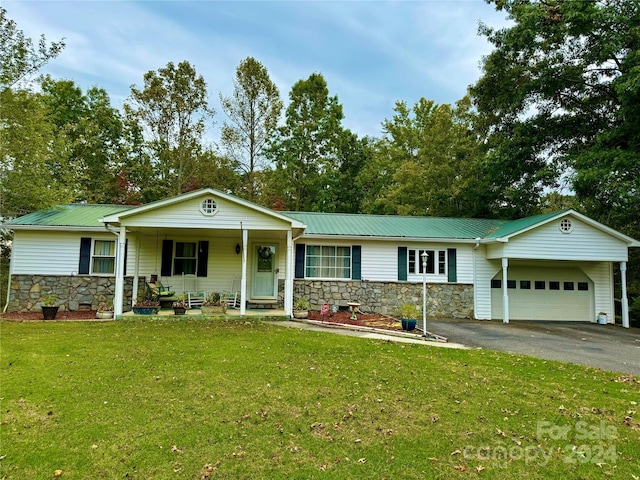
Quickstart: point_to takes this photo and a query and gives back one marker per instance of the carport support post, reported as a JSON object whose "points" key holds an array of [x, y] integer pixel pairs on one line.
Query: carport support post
{"points": [[505, 294], [624, 300], [425, 255]]}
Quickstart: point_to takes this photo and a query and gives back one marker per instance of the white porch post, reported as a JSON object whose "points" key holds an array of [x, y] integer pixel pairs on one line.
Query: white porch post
{"points": [[118, 297], [136, 274], [505, 294], [243, 282], [288, 278], [625, 300]]}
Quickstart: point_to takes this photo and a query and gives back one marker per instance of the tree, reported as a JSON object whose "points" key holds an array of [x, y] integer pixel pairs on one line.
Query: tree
{"points": [[305, 147], [173, 109], [34, 173], [427, 163], [560, 99], [95, 134], [31, 154], [254, 110], [19, 58]]}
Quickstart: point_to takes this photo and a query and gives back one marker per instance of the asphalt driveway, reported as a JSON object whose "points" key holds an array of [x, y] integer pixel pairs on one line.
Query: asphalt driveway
{"points": [[609, 347]]}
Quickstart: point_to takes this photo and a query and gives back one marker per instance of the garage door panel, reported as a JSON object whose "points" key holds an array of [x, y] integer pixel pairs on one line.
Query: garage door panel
{"points": [[546, 304]]}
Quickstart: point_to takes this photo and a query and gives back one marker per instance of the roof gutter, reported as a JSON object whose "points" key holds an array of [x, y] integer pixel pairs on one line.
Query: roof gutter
{"points": [[387, 239]]}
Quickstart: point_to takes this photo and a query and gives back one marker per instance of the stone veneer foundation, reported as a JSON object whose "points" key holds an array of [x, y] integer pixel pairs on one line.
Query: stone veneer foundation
{"points": [[77, 292], [446, 300]]}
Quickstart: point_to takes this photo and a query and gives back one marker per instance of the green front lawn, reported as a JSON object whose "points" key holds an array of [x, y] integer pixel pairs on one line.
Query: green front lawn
{"points": [[210, 399]]}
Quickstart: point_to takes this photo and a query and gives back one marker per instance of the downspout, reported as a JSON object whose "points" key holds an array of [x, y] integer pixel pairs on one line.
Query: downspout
{"points": [[475, 278]]}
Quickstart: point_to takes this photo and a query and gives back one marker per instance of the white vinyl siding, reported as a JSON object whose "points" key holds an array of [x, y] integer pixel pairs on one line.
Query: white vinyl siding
{"points": [[485, 271], [547, 242], [53, 252], [187, 214]]}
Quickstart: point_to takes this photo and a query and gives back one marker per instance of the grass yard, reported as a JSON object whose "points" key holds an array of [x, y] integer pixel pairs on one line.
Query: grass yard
{"points": [[189, 399]]}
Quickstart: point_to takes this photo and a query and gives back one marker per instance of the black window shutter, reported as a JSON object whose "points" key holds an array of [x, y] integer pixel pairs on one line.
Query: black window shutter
{"points": [[300, 249], [85, 256], [356, 262], [167, 258], [203, 258], [451, 258], [126, 252], [402, 263]]}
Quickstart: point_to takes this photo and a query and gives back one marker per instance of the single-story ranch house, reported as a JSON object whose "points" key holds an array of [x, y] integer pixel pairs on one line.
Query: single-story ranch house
{"points": [[556, 266]]}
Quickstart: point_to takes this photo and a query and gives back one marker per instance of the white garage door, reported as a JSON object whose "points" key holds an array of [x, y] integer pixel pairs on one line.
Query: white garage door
{"points": [[564, 294]]}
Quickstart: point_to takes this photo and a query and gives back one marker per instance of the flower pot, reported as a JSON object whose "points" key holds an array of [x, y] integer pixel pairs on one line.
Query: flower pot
{"points": [[104, 315], [408, 324], [145, 310], [301, 313], [179, 310], [49, 312]]}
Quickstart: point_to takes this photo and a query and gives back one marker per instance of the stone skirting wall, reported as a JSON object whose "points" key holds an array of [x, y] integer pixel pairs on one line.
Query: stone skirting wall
{"points": [[77, 292], [444, 300]]}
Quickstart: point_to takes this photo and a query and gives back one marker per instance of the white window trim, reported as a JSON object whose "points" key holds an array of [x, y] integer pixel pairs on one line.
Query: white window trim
{"points": [[436, 261], [306, 259], [94, 256], [175, 256]]}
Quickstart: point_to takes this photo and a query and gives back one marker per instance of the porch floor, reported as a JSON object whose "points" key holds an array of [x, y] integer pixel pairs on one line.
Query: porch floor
{"points": [[250, 312]]}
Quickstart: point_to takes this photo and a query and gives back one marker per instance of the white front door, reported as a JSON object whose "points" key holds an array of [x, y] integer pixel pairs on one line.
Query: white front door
{"points": [[265, 272]]}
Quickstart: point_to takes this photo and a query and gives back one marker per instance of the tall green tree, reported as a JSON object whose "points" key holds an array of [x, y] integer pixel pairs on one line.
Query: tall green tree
{"points": [[32, 169], [173, 108], [306, 145], [95, 136], [560, 99], [34, 173], [253, 110], [19, 58], [427, 163]]}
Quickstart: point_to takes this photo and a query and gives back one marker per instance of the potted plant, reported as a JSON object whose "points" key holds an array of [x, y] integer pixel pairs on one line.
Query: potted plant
{"points": [[180, 305], [213, 305], [49, 307], [146, 307], [409, 314], [105, 309], [301, 308]]}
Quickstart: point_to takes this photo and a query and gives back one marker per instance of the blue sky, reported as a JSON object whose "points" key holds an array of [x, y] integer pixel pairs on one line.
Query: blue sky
{"points": [[372, 53]]}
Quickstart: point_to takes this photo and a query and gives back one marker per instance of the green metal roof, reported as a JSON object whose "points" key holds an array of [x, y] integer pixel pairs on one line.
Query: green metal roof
{"points": [[75, 215], [394, 226], [338, 224], [514, 226]]}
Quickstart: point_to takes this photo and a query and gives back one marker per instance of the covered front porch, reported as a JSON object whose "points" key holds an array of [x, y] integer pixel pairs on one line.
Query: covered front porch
{"points": [[207, 242]]}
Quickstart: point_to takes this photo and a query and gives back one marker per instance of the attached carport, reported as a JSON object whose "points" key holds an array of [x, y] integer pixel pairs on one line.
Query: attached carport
{"points": [[554, 267]]}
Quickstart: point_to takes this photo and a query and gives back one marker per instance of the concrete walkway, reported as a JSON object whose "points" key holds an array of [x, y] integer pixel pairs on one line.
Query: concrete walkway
{"points": [[364, 332]]}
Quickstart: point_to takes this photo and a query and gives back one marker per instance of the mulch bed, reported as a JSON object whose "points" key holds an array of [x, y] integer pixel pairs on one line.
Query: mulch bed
{"points": [[372, 320], [62, 315]]}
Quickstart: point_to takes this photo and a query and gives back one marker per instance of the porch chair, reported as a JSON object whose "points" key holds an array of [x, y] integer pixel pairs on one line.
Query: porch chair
{"points": [[190, 289], [232, 297]]}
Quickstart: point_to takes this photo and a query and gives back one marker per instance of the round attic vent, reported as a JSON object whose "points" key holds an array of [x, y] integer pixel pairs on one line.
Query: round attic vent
{"points": [[565, 225], [209, 207]]}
